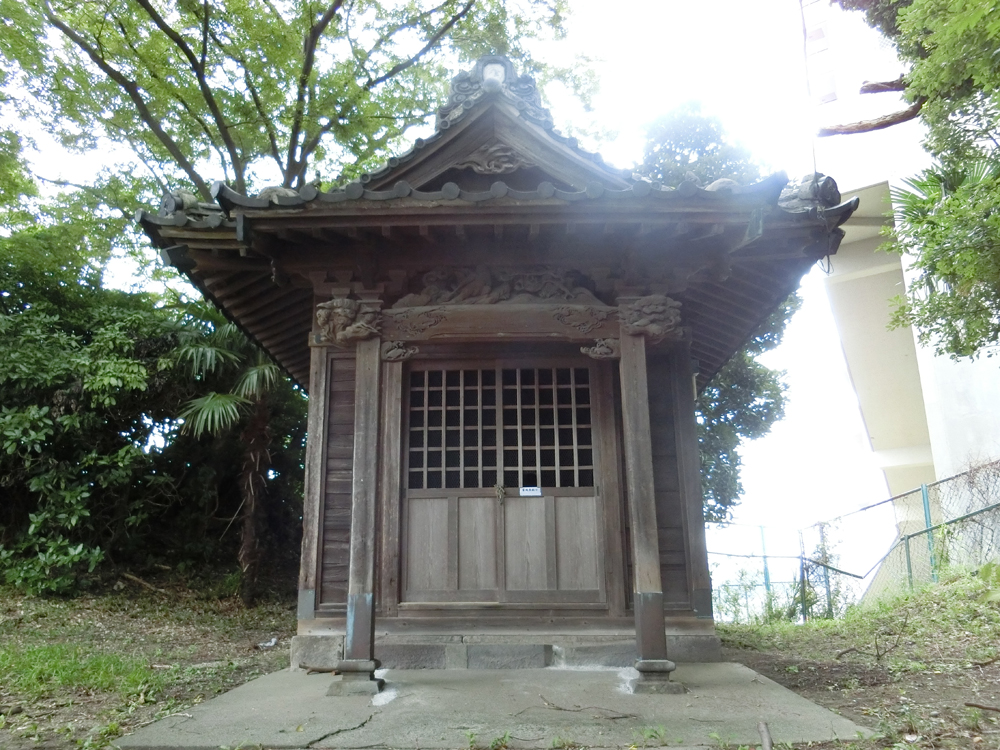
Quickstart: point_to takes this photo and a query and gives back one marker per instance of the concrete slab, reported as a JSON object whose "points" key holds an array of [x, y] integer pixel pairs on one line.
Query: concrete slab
{"points": [[534, 708]]}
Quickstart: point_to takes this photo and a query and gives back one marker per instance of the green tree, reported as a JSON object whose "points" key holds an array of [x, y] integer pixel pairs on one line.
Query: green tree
{"points": [[256, 94], [745, 398], [251, 92], [946, 219], [245, 409]]}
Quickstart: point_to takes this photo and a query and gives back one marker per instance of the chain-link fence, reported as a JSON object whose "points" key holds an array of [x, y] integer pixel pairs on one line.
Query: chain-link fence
{"points": [[770, 573]]}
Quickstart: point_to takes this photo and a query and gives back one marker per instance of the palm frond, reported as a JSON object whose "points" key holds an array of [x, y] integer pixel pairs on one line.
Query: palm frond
{"points": [[203, 358], [257, 380], [212, 413]]}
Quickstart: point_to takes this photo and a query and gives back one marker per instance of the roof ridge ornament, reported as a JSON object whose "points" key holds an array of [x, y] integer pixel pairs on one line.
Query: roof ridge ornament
{"points": [[493, 75]]}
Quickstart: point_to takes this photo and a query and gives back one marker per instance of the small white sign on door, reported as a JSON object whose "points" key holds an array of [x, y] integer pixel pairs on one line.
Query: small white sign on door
{"points": [[531, 492]]}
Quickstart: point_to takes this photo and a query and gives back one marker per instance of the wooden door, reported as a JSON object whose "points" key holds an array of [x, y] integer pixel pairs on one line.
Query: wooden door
{"points": [[475, 436]]}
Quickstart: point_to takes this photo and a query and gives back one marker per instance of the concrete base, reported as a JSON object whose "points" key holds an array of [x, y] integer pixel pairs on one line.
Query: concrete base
{"points": [[640, 685], [530, 651], [342, 685], [535, 708]]}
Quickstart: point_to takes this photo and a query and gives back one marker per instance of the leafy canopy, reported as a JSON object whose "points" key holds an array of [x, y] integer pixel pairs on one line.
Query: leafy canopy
{"points": [[254, 92], [946, 217]]}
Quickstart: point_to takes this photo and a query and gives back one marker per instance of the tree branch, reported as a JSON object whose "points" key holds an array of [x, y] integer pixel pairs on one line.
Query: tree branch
{"points": [[308, 60], [265, 118], [131, 88], [435, 38], [879, 123], [206, 91], [877, 87]]}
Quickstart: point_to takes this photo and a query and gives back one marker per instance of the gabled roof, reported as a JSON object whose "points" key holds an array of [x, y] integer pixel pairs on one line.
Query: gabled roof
{"points": [[496, 185], [491, 105]]}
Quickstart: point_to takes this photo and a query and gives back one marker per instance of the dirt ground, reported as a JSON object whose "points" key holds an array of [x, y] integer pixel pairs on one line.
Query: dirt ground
{"points": [[912, 709]]}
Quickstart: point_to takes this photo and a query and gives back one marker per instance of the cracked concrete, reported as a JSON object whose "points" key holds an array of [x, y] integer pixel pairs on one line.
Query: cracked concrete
{"points": [[535, 708]]}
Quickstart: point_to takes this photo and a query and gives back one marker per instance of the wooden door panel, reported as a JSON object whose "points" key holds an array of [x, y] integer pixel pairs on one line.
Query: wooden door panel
{"points": [[578, 543], [471, 428], [427, 544], [526, 544], [477, 543]]}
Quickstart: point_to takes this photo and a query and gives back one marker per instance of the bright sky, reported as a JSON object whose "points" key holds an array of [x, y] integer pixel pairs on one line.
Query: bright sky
{"points": [[745, 63]]}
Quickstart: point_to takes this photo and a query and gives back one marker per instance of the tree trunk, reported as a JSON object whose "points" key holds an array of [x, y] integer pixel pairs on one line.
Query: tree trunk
{"points": [[256, 460]]}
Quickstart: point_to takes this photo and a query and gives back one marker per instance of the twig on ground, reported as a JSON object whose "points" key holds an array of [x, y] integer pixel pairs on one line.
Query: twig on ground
{"points": [[609, 713], [141, 582], [317, 670], [847, 651], [984, 708], [158, 718], [994, 660], [765, 736]]}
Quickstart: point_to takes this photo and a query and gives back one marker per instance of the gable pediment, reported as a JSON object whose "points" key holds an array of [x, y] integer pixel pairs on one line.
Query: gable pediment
{"points": [[493, 133]]}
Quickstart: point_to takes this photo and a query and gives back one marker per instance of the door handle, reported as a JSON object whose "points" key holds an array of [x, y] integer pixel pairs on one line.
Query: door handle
{"points": [[501, 493]]}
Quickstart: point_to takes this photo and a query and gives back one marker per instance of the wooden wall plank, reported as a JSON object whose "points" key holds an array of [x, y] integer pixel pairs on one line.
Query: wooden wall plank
{"points": [[339, 441], [313, 490], [689, 464]]}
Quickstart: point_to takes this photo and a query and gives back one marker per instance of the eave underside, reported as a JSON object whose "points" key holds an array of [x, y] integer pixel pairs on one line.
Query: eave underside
{"points": [[262, 268]]}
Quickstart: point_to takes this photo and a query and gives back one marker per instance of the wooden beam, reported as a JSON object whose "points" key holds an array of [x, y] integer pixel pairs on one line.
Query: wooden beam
{"points": [[648, 597], [359, 640], [389, 486]]}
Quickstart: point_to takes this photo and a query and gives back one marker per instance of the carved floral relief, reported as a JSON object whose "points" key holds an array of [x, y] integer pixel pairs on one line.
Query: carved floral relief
{"points": [[485, 286], [583, 319], [604, 349], [397, 351], [343, 321]]}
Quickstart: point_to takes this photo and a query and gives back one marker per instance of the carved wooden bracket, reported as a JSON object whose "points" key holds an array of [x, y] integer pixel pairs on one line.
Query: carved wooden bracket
{"points": [[604, 349], [397, 351], [343, 321], [657, 317]]}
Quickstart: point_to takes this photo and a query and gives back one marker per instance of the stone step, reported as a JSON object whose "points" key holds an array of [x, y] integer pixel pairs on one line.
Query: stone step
{"points": [[515, 652]]}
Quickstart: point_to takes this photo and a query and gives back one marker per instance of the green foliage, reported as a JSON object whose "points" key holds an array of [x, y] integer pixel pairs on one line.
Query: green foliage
{"points": [[251, 90], [93, 468], [949, 222], [744, 398], [947, 219], [686, 141]]}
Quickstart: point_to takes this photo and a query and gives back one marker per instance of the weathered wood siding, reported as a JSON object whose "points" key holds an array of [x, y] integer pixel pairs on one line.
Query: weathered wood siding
{"points": [[673, 566], [339, 480]]}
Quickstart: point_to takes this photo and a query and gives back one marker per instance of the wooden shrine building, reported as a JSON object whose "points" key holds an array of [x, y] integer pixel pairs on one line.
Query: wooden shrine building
{"points": [[502, 337]]}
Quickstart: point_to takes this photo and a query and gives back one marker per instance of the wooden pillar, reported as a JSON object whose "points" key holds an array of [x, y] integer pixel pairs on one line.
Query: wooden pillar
{"points": [[312, 501], [390, 452], [648, 590], [689, 473], [359, 662]]}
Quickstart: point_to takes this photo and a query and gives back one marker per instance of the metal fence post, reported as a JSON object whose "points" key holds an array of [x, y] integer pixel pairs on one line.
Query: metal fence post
{"points": [[767, 577], [909, 563], [925, 497], [826, 572], [802, 578]]}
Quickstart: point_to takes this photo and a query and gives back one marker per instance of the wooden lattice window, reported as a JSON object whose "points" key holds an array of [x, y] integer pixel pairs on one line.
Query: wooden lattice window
{"points": [[523, 427]]}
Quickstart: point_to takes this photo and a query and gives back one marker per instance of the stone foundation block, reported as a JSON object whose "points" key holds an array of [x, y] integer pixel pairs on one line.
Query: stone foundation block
{"points": [[509, 656]]}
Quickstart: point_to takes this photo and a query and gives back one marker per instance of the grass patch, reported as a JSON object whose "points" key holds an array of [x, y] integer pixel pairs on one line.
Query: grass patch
{"points": [[77, 673], [39, 671]]}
